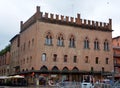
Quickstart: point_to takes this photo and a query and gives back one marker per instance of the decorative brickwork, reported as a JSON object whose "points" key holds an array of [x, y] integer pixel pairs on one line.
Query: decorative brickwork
{"points": [[66, 20]]}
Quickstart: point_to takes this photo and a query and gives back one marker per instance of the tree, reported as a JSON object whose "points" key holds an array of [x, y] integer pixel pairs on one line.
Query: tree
{"points": [[3, 51]]}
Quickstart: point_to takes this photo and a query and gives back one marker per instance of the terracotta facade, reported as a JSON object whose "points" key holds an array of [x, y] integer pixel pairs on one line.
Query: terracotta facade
{"points": [[58, 44], [5, 64], [116, 55]]}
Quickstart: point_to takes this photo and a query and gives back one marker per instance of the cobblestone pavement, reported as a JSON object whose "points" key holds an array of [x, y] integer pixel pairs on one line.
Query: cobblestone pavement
{"points": [[29, 87]]}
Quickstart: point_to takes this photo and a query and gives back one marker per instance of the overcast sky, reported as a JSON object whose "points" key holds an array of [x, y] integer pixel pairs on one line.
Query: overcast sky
{"points": [[14, 11]]}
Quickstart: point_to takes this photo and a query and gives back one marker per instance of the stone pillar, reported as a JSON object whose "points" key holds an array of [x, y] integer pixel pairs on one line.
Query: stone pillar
{"points": [[36, 79], [70, 77]]}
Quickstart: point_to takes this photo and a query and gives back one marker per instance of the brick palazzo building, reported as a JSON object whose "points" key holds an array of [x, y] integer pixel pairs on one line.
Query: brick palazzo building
{"points": [[116, 56], [62, 47]]}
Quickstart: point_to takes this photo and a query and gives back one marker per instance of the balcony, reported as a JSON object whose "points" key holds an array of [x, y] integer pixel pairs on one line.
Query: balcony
{"points": [[117, 75], [116, 64], [116, 55], [116, 47]]}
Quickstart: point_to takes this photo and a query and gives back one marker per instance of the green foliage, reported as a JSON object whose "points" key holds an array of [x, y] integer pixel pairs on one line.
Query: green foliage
{"points": [[3, 51]]}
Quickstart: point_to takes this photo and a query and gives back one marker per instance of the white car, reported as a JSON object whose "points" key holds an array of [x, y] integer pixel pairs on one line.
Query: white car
{"points": [[87, 85]]}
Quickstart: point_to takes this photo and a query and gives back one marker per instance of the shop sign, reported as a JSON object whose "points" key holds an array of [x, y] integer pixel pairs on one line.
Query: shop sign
{"points": [[53, 75]]}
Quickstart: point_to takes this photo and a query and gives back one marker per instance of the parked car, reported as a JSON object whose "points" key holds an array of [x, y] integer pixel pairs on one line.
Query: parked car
{"points": [[86, 85], [116, 84]]}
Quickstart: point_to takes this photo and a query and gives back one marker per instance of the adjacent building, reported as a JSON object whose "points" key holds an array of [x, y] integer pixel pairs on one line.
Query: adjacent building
{"points": [[5, 61], [116, 56], [62, 48]]}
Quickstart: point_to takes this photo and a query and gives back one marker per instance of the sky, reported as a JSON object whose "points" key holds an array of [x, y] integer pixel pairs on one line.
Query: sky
{"points": [[14, 11]]}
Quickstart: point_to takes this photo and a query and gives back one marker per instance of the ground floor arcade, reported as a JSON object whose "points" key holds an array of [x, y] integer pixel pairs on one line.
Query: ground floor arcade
{"points": [[42, 78]]}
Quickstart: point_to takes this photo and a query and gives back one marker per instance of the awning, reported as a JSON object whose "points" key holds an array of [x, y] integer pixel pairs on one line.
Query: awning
{"points": [[17, 76], [4, 77]]}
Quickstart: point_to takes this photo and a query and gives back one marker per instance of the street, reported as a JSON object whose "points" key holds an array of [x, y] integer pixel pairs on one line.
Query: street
{"points": [[28, 87]]}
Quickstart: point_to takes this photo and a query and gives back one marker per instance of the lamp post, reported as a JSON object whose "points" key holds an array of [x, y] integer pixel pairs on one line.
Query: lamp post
{"points": [[101, 76], [113, 73]]}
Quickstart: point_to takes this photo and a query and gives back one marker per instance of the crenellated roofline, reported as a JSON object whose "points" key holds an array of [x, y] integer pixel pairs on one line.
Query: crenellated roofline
{"points": [[66, 20]]}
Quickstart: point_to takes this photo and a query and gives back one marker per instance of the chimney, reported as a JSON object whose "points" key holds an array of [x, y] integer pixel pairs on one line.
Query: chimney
{"points": [[21, 25], [93, 23], [78, 16], [104, 25], [38, 9], [46, 15], [78, 21], [100, 24], [96, 23], [89, 22], [110, 23], [72, 19], [67, 19], [84, 21], [62, 18], [38, 14], [57, 17], [51, 16]]}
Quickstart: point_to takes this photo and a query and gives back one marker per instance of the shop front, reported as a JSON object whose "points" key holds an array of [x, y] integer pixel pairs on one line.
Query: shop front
{"points": [[42, 76]]}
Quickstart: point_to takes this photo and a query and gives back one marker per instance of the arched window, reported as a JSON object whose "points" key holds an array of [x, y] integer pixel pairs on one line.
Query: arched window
{"points": [[107, 61], [55, 57], [92, 69], [29, 44], [65, 58], [32, 68], [86, 59], [24, 47], [44, 69], [55, 69], [44, 57], [75, 59], [32, 41], [26, 69], [97, 60], [48, 40], [106, 45], [60, 41], [23, 70], [86, 43], [96, 44], [103, 69], [72, 41], [118, 44], [24, 61]]}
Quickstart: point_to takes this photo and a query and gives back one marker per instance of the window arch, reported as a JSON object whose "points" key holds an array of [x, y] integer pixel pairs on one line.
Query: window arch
{"points": [[55, 69], [48, 40], [65, 58], [23, 70], [60, 40], [26, 69], [96, 44], [28, 44], [32, 68], [92, 69], [65, 69], [75, 59], [44, 69], [72, 41], [75, 70], [54, 57], [44, 57], [97, 60], [86, 59], [86, 43], [107, 60], [106, 45], [103, 69]]}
